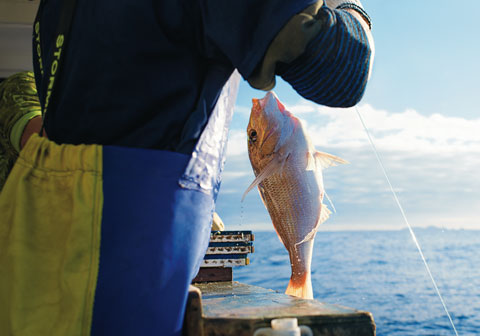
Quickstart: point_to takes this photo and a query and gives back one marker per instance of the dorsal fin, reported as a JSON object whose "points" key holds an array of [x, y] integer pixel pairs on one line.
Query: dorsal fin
{"points": [[325, 160]]}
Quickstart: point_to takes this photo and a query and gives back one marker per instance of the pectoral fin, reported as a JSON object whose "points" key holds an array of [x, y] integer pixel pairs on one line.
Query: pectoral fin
{"points": [[324, 160], [274, 166], [311, 161]]}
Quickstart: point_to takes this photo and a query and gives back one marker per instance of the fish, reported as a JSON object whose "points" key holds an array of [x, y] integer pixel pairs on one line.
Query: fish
{"points": [[288, 174]]}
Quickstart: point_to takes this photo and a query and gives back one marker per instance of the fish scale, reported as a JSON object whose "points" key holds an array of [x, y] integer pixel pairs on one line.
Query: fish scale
{"points": [[279, 191]]}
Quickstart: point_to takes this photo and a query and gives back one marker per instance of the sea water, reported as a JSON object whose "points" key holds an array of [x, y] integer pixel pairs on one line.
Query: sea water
{"points": [[383, 273]]}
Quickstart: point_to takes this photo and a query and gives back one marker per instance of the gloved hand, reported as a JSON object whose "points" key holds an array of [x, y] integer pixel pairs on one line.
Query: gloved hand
{"points": [[18, 105], [217, 224]]}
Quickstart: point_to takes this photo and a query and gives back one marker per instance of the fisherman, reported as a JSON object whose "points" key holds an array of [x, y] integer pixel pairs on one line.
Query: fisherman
{"points": [[104, 222]]}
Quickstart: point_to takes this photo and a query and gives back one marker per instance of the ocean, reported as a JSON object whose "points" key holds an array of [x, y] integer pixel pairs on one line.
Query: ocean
{"points": [[383, 273]]}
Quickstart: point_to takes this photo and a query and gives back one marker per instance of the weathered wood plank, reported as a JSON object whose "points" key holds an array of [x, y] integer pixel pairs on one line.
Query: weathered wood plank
{"points": [[230, 248], [210, 274], [193, 321], [232, 308], [232, 236], [224, 262]]}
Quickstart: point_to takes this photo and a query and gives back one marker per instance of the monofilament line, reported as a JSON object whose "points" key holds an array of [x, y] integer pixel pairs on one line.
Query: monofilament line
{"points": [[406, 220]]}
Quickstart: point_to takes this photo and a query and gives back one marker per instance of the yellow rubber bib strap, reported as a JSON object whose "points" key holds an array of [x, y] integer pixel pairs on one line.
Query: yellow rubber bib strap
{"points": [[50, 217]]}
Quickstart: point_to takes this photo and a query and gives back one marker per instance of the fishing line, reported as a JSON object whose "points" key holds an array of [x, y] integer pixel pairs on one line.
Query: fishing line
{"points": [[406, 220]]}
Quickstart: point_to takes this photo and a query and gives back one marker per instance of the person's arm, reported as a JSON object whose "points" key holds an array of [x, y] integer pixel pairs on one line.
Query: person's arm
{"points": [[325, 54], [355, 8], [20, 111], [19, 118], [33, 127]]}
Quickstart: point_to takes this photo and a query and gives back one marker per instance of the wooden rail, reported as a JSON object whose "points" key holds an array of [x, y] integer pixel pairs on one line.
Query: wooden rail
{"points": [[232, 308]]}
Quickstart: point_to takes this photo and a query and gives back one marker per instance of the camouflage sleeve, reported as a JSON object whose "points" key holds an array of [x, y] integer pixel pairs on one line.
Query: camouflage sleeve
{"points": [[18, 104], [323, 53]]}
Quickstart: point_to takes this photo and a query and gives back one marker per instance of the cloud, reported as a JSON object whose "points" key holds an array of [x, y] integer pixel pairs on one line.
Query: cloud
{"points": [[234, 174], [432, 161], [408, 131], [243, 110], [304, 107], [237, 143]]}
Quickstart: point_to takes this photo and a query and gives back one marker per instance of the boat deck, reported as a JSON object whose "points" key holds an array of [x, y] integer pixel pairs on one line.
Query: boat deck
{"points": [[233, 308]]}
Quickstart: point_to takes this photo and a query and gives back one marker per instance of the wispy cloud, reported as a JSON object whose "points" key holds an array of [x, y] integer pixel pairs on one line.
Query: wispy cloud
{"points": [[408, 131], [243, 110], [432, 160], [237, 143]]}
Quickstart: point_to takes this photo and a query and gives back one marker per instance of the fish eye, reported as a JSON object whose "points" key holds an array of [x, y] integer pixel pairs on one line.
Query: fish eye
{"points": [[253, 136]]}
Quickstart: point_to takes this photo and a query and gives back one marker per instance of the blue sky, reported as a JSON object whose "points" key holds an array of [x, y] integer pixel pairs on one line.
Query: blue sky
{"points": [[421, 107]]}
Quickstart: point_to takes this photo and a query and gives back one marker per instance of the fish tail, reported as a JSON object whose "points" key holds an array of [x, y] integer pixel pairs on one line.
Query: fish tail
{"points": [[300, 286]]}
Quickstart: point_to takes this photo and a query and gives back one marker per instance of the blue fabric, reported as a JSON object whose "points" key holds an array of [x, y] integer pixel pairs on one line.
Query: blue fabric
{"points": [[334, 69], [154, 236], [148, 73]]}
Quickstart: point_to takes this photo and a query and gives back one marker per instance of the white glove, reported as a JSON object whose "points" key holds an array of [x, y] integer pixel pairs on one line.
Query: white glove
{"points": [[217, 223]]}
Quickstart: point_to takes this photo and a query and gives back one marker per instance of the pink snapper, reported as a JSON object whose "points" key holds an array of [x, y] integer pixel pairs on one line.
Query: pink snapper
{"points": [[289, 178]]}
